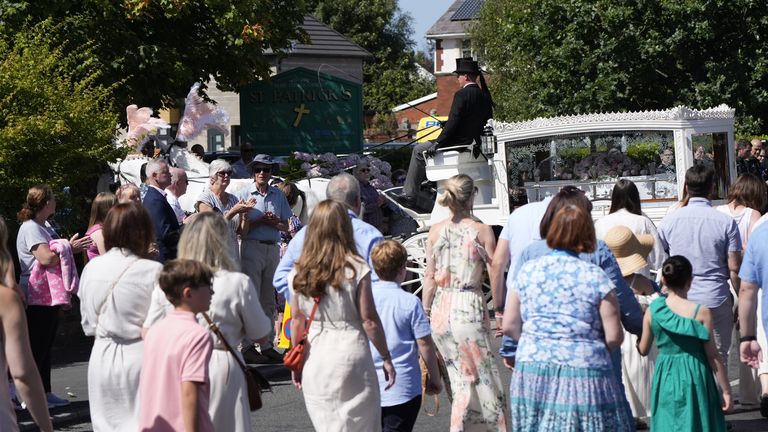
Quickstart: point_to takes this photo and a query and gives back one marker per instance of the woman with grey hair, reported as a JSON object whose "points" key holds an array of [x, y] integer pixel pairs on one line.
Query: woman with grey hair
{"points": [[217, 199]]}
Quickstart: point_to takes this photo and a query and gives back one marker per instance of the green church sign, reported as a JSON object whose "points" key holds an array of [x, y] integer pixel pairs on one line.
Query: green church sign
{"points": [[302, 110]]}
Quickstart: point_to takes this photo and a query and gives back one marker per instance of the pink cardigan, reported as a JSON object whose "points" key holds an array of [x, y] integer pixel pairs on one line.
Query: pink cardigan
{"points": [[54, 285]]}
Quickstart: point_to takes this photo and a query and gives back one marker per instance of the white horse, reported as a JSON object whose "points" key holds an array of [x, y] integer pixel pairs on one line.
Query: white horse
{"points": [[127, 171]]}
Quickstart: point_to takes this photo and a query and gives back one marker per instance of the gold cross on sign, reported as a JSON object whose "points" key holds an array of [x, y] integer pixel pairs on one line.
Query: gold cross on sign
{"points": [[300, 111]]}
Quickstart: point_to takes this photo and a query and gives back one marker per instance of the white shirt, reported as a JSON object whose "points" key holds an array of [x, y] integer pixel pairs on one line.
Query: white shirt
{"points": [[173, 200], [522, 229], [638, 224], [125, 310]]}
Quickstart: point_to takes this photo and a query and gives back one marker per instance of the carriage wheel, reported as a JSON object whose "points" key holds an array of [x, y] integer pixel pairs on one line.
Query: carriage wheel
{"points": [[416, 245]]}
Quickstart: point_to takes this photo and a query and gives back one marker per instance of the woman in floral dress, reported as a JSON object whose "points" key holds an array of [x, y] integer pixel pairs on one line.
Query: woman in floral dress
{"points": [[564, 313], [457, 249]]}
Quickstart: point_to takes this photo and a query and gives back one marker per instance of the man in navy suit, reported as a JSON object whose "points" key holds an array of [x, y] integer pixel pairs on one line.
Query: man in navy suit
{"points": [[167, 228], [471, 108]]}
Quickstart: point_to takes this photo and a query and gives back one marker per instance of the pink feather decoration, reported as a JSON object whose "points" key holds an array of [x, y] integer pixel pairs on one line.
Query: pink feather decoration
{"points": [[141, 125], [199, 116]]}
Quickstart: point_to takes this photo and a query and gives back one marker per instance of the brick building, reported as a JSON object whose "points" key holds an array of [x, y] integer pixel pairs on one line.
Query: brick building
{"points": [[451, 41]]}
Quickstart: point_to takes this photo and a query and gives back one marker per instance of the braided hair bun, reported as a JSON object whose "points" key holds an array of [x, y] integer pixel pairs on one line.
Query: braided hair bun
{"points": [[676, 272]]}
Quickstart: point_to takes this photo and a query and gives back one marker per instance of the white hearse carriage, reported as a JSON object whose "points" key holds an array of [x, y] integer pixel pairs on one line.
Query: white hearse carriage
{"points": [[528, 161]]}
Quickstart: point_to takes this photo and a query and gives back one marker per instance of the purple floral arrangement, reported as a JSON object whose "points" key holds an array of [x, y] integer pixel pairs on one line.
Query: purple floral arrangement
{"points": [[329, 164]]}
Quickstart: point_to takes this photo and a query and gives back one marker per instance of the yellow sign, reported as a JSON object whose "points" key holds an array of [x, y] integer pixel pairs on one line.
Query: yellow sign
{"points": [[285, 331], [433, 128]]}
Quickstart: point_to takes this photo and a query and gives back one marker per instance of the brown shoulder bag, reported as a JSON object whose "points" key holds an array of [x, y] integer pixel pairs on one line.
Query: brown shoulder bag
{"points": [[295, 357], [254, 389]]}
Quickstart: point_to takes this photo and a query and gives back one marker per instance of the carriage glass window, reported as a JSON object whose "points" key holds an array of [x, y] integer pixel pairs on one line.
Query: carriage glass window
{"points": [[539, 167], [711, 149]]}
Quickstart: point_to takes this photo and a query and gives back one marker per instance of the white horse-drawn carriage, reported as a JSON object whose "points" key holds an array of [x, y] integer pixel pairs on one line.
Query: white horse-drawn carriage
{"points": [[528, 161]]}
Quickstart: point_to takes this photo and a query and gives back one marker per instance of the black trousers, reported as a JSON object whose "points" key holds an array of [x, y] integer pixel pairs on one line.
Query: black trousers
{"points": [[42, 322], [417, 170], [400, 418]]}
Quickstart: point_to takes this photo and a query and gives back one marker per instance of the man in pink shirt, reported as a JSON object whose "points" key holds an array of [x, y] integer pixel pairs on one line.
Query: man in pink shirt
{"points": [[174, 386]]}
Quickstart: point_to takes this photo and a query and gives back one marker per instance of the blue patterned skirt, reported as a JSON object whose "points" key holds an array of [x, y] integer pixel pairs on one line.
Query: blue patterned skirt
{"points": [[553, 397]]}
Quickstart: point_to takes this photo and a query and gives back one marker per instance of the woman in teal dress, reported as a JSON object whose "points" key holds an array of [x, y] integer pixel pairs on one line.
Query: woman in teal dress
{"points": [[684, 396]]}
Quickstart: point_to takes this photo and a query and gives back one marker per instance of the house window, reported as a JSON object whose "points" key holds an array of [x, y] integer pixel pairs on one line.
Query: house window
{"points": [[466, 48]]}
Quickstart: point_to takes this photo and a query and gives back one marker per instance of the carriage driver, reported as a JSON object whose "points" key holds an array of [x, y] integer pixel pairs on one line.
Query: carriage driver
{"points": [[259, 250], [471, 108]]}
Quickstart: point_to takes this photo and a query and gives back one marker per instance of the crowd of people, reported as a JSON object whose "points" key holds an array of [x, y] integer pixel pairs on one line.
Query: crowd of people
{"points": [[616, 324]]}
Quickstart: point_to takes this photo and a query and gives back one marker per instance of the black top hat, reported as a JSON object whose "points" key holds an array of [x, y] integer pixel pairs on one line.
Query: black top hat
{"points": [[466, 65]]}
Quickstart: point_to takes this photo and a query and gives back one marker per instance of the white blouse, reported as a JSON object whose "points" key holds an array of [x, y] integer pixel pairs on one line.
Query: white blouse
{"points": [[638, 224], [235, 309], [125, 310]]}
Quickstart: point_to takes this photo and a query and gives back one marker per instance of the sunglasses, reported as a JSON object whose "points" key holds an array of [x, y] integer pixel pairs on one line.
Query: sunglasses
{"points": [[265, 170], [224, 173]]}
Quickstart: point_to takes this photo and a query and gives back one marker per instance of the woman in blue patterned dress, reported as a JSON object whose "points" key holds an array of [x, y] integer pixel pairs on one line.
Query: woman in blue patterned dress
{"points": [[565, 315]]}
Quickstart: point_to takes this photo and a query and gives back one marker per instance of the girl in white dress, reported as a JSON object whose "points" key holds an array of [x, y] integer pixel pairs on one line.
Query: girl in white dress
{"points": [[339, 382], [235, 309], [115, 292], [630, 251]]}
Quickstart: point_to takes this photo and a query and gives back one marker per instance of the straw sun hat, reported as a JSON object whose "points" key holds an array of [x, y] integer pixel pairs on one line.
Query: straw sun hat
{"points": [[630, 250]]}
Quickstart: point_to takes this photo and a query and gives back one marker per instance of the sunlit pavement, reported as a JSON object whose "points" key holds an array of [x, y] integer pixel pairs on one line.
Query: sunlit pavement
{"points": [[284, 407]]}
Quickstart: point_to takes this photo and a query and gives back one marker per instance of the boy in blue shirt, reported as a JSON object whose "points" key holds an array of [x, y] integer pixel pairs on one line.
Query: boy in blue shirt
{"points": [[408, 335]]}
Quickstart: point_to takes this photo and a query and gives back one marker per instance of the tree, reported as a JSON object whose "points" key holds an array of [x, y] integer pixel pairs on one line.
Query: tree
{"points": [[56, 125], [381, 28], [425, 56], [552, 57], [156, 49]]}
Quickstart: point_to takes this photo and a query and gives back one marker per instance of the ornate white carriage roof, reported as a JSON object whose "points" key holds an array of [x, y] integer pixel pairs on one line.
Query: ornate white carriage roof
{"points": [[615, 121]]}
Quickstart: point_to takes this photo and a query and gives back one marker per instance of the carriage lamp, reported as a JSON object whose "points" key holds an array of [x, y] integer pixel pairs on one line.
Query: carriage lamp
{"points": [[488, 140]]}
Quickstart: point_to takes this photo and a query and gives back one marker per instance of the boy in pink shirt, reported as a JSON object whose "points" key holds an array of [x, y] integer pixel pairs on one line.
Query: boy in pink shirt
{"points": [[174, 386]]}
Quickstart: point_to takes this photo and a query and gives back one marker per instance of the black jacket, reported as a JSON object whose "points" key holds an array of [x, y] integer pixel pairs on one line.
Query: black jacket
{"points": [[470, 111], [167, 228]]}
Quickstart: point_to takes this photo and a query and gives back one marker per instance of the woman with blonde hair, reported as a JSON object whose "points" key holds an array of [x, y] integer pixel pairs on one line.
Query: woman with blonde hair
{"points": [[33, 247], [332, 280], [235, 309], [128, 192], [457, 250], [115, 294], [99, 209]]}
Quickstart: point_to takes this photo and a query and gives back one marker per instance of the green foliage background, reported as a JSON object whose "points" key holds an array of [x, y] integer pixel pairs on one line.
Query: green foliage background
{"points": [[156, 49], [56, 123], [68, 69], [554, 57]]}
